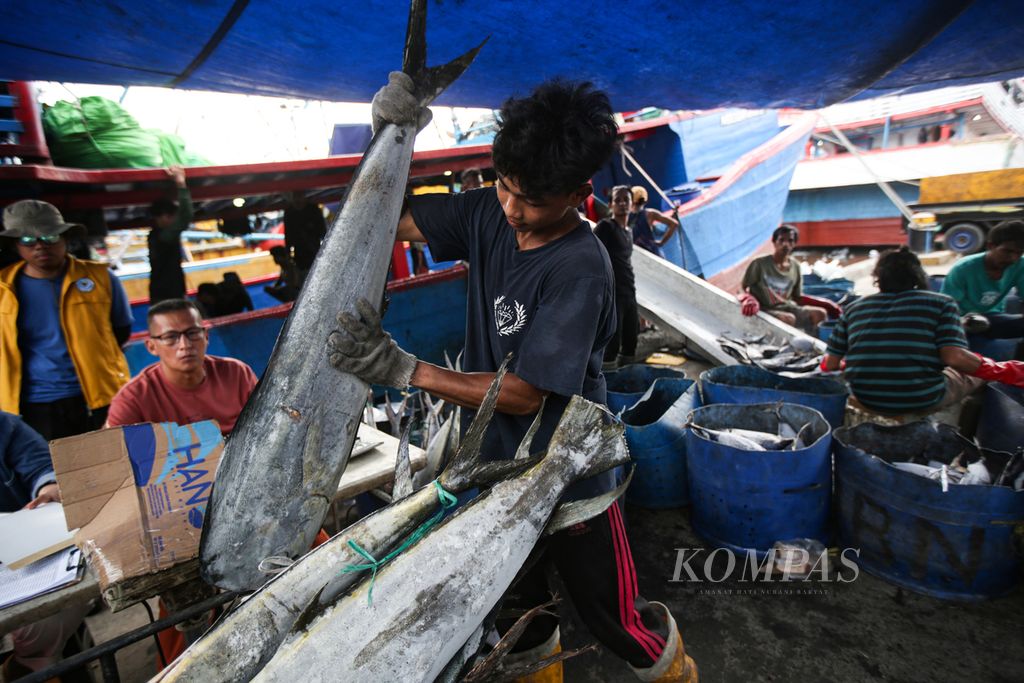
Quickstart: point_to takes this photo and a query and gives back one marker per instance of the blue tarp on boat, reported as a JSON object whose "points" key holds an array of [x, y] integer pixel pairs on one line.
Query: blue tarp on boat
{"points": [[748, 53]]}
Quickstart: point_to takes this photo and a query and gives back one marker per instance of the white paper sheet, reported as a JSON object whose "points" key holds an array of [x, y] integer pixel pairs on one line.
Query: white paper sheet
{"points": [[27, 533], [42, 576]]}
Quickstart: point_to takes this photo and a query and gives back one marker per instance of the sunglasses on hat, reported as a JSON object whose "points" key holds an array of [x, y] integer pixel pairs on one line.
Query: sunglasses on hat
{"points": [[28, 240]]}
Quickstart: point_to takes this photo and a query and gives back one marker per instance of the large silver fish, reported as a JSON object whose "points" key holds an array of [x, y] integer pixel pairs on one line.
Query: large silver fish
{"points": [[280, 469], [238, 645], [430, 600]]}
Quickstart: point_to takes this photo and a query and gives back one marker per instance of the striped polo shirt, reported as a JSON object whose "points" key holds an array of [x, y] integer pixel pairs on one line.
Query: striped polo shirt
{"points": [[891, 344]]}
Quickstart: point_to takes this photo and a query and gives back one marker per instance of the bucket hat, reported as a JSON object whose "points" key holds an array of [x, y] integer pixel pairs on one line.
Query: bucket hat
{"points": [[33, 218]]}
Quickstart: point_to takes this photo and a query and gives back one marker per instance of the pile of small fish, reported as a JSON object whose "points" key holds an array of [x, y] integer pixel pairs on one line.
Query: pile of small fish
{"points": [[788, 438], [960, 472], [797, 355]]}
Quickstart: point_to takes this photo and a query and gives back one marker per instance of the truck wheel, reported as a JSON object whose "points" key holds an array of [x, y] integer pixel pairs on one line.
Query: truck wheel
{"points": [[965, 238]]}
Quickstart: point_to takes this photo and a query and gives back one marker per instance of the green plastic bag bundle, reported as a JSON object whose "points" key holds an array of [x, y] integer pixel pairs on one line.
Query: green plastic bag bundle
{"points": [[97, 133]]}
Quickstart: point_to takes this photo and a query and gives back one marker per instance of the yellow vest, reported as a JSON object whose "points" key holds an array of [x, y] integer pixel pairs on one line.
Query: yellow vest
{"points": [[85, 321]]}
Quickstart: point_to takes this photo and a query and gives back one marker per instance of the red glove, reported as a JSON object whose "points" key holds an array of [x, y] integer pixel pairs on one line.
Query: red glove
{"points": [[834, 310], [748, 304], [1008, 372], [842, 364]]}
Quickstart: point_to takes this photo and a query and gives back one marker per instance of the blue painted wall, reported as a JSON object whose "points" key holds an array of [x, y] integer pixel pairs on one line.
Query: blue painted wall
{"points": [[424, 320], [841, 203]]}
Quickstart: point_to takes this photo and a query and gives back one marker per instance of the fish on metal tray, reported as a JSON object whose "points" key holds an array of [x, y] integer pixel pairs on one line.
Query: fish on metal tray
{"points": [[281, 466], [239, 644], [796, 355], [430, 600]]}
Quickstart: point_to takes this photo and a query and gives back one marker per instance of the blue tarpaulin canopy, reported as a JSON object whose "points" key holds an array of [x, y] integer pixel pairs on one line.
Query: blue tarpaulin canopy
{"points": [[672, 54]]}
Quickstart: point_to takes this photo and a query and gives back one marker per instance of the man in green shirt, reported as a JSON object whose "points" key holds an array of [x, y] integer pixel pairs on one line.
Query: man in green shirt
{"points": [[774, 284], [980, 283]]}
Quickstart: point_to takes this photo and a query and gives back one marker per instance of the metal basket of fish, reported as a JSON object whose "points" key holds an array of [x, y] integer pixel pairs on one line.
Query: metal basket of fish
{"points": [[928, 510], [758, 474], [748, 384]]}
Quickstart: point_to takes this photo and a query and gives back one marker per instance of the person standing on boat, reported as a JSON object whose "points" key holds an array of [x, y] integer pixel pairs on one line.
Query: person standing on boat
{"points": [[617, 238], [643, 220], [980, 283], [541, 288], [470, 179], [284, 288], [170, 219], [773, 284], [904, 348], [62, 323], [304, 230]]}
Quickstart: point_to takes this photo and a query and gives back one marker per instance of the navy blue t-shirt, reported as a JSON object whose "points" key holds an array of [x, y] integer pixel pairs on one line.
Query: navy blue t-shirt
{"points": [[551, 307]]}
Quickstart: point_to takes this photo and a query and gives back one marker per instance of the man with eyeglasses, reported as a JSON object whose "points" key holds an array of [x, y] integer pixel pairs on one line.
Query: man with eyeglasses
{"points": [[62, 323], [186, 384]]}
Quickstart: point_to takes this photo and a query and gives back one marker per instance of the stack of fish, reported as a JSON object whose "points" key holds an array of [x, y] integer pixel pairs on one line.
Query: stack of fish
{"points": [[960, 472], [789, 438], [798, 355], [433, 597]]}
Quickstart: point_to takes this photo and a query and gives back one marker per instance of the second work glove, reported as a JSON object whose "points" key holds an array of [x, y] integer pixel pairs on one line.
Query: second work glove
{"points": [[1008, 372], [362, 348], [748, 304], [397, 103]]}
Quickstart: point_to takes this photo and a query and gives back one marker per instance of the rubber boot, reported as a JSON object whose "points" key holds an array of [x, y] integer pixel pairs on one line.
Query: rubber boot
{"points": [[610, 365], [549, 674], [674, 665]]}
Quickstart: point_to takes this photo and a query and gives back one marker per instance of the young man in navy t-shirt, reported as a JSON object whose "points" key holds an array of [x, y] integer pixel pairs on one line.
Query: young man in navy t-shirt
{"points": [[541, 288]]}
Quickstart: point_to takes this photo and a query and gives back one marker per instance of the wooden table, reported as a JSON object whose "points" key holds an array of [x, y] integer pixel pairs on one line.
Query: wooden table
{"points": [[42, 606], [377, 467]]}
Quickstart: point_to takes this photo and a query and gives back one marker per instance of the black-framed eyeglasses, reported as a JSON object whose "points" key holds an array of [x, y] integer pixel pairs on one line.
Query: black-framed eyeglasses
{"points": [[172, 338], [28, 240]]}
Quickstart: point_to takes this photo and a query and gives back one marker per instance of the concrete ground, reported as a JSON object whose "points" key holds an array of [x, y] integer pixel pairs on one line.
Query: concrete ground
{"points": [[865, 630]]}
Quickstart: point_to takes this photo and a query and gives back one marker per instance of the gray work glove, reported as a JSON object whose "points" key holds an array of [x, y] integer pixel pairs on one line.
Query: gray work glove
{"points": [[362, 348], [397, 103]]}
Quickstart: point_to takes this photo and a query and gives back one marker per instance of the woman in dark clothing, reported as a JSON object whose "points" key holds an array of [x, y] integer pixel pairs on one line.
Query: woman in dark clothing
{"points": [[617, 238]]}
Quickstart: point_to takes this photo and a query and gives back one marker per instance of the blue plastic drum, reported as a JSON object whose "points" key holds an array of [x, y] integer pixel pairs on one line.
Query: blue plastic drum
{"points": [[743, 499], [1001, 425], [747, 384], [957, 544], [626, 385], [656, 434]]}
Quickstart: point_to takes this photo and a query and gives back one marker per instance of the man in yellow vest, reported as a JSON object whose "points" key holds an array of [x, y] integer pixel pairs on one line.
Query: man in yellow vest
{"points": [[62, 323]]}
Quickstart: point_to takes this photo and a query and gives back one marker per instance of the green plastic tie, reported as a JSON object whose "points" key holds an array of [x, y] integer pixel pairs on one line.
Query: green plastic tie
{"points": [[447, 500]]}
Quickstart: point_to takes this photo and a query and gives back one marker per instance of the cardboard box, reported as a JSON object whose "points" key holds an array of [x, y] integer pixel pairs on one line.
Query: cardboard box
{"points": [[137, 494]]}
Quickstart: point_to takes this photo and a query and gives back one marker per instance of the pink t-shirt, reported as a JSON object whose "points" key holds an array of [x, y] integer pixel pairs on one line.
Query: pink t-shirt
{"points": [[150, 397]]}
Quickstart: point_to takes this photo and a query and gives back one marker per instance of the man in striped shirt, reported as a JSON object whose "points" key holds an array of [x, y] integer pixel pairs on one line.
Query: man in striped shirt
{"points": [[904, 348]]}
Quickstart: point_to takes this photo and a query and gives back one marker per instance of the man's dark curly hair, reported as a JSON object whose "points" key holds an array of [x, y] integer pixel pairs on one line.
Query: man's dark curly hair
{"points": [[554, 140], [899, 270]]}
